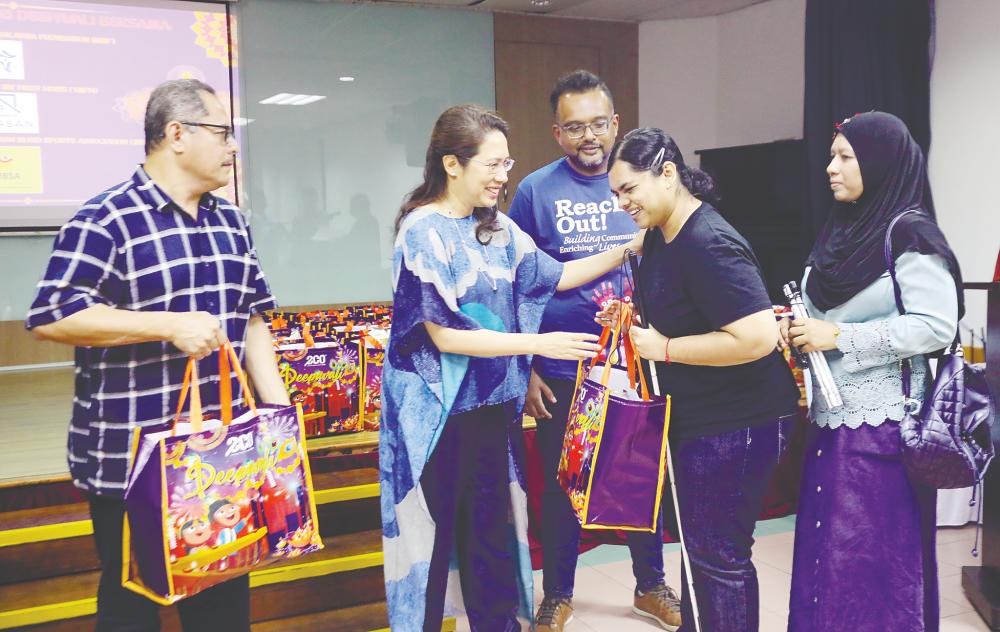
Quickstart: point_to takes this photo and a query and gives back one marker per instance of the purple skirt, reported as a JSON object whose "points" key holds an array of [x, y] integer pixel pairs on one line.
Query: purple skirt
{"points": [[864, 537]]}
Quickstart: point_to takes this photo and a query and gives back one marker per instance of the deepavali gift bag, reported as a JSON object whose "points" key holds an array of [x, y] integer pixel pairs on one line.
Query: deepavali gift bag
{"points": [[209, 500], [612, 464], [371, 401], [324, 376]]}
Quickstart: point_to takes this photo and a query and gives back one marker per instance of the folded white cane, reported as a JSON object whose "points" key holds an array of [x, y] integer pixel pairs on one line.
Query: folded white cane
{"points": [[817, 361], [639, 308]]}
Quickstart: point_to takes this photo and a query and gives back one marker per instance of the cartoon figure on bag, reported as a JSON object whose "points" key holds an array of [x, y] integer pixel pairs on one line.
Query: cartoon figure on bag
{"points": [[225, 516], [195, 534]]}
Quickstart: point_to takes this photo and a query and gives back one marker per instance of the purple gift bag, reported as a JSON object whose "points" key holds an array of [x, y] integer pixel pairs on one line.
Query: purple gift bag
{"points": [[209, 500], [612, 464]]}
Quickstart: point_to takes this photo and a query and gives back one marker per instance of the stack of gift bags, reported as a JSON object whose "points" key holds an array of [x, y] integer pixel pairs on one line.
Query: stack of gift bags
{"points": [[331, 363]]}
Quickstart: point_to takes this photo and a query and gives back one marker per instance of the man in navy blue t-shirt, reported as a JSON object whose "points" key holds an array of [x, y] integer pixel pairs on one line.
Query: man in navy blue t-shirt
{"points": [[569, 210]]}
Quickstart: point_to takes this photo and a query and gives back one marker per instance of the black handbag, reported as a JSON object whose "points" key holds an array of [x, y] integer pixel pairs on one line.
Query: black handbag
{"points": [[946, 442]]}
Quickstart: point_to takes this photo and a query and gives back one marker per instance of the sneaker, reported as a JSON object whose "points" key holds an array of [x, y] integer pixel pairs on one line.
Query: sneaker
{"points": [[661, 605], [553, 614]]}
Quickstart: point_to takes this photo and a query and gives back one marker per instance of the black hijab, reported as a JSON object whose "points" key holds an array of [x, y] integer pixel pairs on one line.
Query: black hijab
{"points": [[849, 253]]}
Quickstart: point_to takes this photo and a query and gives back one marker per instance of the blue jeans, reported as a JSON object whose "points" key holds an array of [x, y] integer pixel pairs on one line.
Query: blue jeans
{"points": [[721, 481], [561, 529]]}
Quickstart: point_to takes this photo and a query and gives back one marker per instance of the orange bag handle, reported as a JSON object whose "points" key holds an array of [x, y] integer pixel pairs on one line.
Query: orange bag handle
{"points": [[633, 361], [228, 363], [602, 341], [606, 374], [621, 326], [629, 357]]}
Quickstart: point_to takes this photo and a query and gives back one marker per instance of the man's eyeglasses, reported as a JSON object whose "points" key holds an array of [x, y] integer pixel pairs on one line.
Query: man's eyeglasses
{"points": [[579, 130], [227, 134], [496, 165]]}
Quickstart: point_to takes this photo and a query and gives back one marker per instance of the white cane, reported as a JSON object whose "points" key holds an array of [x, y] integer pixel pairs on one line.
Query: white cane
{"points": [[677, 512]]}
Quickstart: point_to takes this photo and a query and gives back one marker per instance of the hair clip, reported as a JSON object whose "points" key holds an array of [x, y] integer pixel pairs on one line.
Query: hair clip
{"points": [[659, 156]]}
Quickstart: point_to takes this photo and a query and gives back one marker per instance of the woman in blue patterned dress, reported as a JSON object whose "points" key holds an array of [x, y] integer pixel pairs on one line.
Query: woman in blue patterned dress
{"points": [[864, 537], [469, 291]]}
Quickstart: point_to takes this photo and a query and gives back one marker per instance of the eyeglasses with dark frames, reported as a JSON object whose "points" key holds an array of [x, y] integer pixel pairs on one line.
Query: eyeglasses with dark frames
{"points": [[227, 134], [599, 127]]}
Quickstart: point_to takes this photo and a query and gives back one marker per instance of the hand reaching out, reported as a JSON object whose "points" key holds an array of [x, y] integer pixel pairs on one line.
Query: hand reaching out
{"points": [[610, 315]]}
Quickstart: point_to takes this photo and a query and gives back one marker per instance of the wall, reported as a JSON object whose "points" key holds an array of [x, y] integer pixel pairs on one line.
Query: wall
{"points": [[679, 81], [532, 52], [22, 262], [965, 129], [734, 79], [325, 180], [761, 73]]}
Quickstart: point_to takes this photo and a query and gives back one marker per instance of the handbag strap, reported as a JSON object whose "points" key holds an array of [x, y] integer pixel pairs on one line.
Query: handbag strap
{"points": [[890, 261], [897, 292]]}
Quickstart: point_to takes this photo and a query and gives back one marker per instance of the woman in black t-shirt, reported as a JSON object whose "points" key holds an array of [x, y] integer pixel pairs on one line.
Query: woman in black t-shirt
{"points": [[713, 336]]}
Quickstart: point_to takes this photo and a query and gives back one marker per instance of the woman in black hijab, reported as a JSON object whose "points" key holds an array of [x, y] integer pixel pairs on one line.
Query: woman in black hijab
{"points": [[864, 540]]}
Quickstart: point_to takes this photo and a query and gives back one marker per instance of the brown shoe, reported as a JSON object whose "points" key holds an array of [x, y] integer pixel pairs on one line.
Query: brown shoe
{"points": [[553, 614], [661, 605]]}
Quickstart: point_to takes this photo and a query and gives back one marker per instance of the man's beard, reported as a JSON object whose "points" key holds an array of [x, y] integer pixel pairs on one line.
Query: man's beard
{"points": [[588, 163]]}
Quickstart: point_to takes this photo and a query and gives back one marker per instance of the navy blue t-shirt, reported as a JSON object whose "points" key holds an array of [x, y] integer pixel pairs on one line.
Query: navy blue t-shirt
{"points": [[704, 279], [571, 216]]}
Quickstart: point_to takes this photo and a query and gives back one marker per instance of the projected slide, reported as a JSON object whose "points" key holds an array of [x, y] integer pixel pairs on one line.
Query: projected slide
{"points": [[74, 81]]}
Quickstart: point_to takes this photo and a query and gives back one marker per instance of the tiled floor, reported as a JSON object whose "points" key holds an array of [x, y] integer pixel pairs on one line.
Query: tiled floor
{"points": [[604, 583]]}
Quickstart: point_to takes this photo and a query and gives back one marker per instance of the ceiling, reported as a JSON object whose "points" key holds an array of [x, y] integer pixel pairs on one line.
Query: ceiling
{"points": [[623, 10]]}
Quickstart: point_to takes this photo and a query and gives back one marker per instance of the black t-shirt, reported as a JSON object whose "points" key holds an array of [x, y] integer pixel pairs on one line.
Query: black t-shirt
{"points": [[706, 278]]}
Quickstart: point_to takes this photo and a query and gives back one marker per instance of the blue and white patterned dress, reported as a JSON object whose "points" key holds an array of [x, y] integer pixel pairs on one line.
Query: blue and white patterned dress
{"points": [[444, 276]]}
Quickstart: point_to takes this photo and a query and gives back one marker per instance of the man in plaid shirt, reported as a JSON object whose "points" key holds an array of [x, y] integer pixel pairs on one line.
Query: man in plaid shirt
{"points": [[147, 273]]}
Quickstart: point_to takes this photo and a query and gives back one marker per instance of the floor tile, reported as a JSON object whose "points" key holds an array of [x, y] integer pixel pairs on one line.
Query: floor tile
{"points": [[775, 586], [966, 622], [951, 608], [775, 550], [773, 622], [578, 625], [605, 604], [950, 588], [947, 569], [621, 572], [958, 553], [954, 534]]}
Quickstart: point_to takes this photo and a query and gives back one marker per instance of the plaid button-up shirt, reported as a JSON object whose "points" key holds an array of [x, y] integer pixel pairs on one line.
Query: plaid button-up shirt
{"points": [[133, 248]]}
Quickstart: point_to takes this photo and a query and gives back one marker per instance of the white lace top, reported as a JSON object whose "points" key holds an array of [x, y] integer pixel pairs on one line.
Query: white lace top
{"points": [[874, 337]]}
